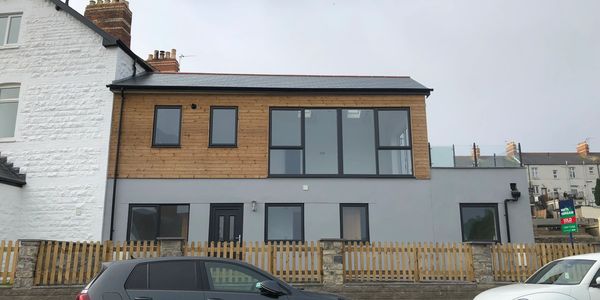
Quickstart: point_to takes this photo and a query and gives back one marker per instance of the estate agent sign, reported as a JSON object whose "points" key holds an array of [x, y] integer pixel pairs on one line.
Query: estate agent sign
{"points": [[568, 220]]}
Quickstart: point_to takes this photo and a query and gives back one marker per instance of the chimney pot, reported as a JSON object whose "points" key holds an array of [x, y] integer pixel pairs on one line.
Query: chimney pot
{"points": [[150, 57], [168, 55], [174, 53], [162, 54]]}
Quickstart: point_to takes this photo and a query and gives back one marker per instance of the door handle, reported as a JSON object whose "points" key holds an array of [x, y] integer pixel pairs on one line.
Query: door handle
{"points": [[142, 298], [214, 299]]}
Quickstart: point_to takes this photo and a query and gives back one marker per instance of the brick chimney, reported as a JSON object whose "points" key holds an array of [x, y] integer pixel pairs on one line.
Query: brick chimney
{"points": [[112, 16], [511, 149], [583, 149], [164, 61]]}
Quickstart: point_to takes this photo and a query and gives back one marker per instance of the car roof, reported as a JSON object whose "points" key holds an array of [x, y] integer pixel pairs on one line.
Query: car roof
{"points": [[136, 261], [592, 256]]}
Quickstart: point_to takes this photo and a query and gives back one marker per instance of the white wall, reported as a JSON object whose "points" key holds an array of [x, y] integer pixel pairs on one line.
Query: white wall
{"points": [[10, 197], [63, 123]]}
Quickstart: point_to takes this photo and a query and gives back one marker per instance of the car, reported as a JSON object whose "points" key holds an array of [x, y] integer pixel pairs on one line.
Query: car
{"points": [[571, 278], [187, 278]]}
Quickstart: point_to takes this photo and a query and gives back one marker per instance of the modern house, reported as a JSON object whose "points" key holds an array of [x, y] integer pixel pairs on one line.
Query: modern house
{"points": [[559, 175], [226, 157], [55, 114]]}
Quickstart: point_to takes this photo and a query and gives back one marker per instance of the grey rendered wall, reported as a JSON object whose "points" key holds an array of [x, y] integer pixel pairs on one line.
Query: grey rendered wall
{"points": [[399, 209]]}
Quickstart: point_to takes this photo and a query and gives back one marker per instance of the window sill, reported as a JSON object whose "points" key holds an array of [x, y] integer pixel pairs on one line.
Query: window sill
{"points": [[223, 146], [8, 140], [6, 47], [166, 146]]}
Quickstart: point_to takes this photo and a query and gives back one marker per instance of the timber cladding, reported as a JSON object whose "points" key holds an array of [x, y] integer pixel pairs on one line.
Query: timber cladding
{"points": [[194, 159]]}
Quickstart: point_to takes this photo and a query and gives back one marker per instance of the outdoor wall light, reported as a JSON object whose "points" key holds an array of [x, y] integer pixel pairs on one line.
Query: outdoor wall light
{"points": [[253, 206], [194, 106]]}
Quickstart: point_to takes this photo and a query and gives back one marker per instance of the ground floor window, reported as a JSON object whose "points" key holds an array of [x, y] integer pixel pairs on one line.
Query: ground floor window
{"points": [[479, 222], [284, 222], [149, 222], [354, 222]]}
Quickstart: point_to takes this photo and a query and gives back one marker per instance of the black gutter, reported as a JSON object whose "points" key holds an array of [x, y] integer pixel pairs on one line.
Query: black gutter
{"points": [[354, 91], [13, 182], [507, 222], [116, 172]]}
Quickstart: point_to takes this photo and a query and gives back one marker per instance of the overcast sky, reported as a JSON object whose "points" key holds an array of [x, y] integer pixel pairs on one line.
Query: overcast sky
{"points": [[501, 69]]}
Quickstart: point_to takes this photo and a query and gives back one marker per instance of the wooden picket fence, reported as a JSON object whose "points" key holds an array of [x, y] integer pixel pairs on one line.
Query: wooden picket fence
{"points": [[376, 262], [9, 253], [291, 261], [516, 262], [76, 263]]}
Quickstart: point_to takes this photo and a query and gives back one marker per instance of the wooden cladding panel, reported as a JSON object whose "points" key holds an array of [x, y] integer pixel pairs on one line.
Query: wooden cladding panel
{"points": [[194, 159]]}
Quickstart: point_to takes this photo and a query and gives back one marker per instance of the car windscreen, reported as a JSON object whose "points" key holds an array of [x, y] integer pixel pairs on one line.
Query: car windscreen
{"points": [[562, 272]]}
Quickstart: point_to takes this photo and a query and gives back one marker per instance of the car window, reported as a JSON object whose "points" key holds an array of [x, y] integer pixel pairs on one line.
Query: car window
{"points": [[138, 279], [562, 272], [172, 275], [232, 278]]}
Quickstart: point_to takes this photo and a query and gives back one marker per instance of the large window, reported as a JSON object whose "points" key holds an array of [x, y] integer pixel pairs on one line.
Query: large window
{"points": [[149, 222], [284, 222], [354, 222], [479, 222], [340, 142], [167, 126], [10, 26], [223, 126], [9, 102]]}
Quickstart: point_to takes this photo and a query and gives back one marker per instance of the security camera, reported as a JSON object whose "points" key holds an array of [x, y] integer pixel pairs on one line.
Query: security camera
{"points": [[514, 192]]}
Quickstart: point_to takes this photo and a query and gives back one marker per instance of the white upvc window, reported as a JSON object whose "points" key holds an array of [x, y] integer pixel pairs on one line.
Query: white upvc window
{"points": [[555, 174], [536, 189], [591, 170], [9, 103], [572, 172], [10, 27], [534, 173]]}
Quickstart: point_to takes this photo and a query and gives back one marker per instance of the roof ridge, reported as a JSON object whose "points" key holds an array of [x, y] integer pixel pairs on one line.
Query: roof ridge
{"points": [[286, 75]]}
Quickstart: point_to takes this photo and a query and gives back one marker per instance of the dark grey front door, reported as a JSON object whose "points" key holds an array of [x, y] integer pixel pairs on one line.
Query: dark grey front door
{"points": [[226, 222]]}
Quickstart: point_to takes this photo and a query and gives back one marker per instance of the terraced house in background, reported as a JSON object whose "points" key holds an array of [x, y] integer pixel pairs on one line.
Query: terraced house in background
{"points": [[226, 157], [55, 114]]}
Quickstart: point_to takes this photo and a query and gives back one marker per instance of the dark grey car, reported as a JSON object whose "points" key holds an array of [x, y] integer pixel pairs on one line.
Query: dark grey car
{"points": [[196, 278]]}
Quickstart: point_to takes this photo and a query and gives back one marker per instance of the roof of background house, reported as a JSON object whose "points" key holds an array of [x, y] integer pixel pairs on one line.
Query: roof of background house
{"points": [[107, 39], [486, 161], [255, 82], [9, 174], [559, 158]]}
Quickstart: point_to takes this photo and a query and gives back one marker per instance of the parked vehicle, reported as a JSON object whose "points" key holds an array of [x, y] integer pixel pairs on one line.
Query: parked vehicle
{"points": [[575, 277], [190, 278]]}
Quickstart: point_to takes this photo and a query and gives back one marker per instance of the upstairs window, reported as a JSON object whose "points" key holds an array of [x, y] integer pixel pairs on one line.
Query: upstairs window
{"points": [[9, 102], [223, 126], [10, 26], [167, 126], [555, 174], [572, 172], [591, 170], [340, 142], [534, 172]]}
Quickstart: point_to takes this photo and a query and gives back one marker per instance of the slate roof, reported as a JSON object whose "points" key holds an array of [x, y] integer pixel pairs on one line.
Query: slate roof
{"points": [[255, 82], [107, 39], [485, 161], [559, 158], [10, 175]]}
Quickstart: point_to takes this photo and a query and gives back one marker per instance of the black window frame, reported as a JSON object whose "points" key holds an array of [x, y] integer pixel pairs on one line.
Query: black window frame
{"points": [[340, 156], [156, 108], [266, 229], [130, 215], [486, 205], [210, 128], [366, 206]]}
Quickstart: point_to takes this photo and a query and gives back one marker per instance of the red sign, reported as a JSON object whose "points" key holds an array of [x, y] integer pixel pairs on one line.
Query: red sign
{"points": [[571, 220]]}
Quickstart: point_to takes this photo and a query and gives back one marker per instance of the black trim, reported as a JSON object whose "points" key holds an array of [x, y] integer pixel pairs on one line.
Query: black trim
{"points": [[485, 205], [158, 206], [13, 182], [267, 206], [340, 147], [156, 108], [366, 206], [116, 174], [336, 91], [210, 127]]}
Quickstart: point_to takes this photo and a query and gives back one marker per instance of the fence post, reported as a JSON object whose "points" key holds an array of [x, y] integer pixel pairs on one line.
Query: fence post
{"points": [[26, 263], [596, 247], [483, 270], [170, 247], [333, 261]]}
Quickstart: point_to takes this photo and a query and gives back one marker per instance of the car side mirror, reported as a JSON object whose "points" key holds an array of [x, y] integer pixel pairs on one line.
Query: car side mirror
{"points": [[596, 283], [270, 288]]}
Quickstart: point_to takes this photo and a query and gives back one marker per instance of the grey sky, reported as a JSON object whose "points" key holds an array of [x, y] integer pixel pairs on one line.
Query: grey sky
{"points": [[501, 69]]}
